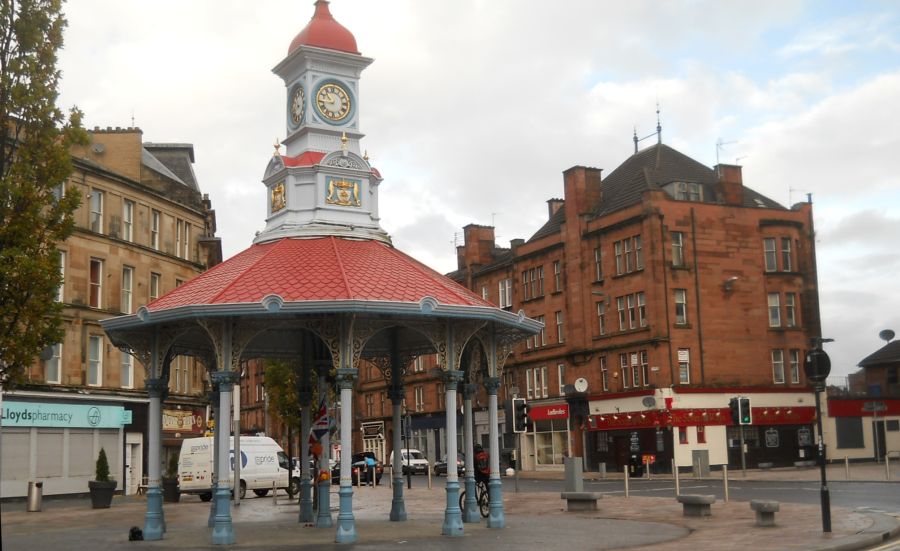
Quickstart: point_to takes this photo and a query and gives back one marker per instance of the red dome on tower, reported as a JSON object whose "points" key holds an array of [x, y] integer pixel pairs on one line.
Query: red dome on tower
{"points": [[323, 31]]}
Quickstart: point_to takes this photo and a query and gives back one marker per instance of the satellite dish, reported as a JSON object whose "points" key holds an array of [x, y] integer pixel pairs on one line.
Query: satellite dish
{"points": [[649, 402], [886, 335], [581, 384]]}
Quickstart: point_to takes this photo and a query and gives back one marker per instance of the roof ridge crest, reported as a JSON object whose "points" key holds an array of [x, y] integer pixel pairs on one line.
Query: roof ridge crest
{"points": [[340, 264]]}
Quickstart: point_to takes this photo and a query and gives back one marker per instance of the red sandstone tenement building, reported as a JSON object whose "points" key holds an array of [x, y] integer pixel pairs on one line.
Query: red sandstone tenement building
{"points": [[666, 288]]}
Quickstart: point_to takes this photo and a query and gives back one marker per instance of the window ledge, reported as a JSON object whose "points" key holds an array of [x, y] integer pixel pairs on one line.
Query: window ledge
{"points": [[626, 274], [683, 326]]}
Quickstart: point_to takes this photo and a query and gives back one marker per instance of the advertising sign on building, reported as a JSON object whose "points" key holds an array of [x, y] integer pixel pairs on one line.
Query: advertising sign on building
{"points": [[37, 414], [178, 420]]}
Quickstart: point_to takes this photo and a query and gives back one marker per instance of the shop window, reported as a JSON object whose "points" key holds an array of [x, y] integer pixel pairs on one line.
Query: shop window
{"points": [[682, 435], [701, 434]]}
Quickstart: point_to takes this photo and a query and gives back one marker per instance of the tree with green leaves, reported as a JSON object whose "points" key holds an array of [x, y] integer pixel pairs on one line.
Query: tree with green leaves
{"points": [[36, 213]]}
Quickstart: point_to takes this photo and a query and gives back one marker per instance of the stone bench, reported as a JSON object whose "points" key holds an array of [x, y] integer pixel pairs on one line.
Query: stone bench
{"points": [[696, 505], [805, 464], [765, 511], [581, 501]]}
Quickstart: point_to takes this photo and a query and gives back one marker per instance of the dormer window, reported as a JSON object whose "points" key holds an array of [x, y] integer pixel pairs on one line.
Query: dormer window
{"points": [[688, 191]]}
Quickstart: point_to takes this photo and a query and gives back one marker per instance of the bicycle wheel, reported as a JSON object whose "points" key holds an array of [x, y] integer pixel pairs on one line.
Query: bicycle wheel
{"points": [[484, 501], [462, 500]]}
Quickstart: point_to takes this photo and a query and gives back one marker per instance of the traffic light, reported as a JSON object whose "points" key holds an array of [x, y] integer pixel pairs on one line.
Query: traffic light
{"points": [[735, 413], [745, 417], [520, 415]]}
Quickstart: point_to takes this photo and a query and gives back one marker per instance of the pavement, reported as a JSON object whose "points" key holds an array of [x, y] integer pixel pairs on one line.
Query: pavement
{"points": [[533, 520]]}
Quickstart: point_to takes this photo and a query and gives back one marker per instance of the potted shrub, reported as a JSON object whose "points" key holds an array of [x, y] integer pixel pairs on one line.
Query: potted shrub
{"points": [[102, 487], [171, 494]]}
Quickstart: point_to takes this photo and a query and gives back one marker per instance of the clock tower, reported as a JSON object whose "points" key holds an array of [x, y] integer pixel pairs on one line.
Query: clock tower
{"points": [[322, 185]]}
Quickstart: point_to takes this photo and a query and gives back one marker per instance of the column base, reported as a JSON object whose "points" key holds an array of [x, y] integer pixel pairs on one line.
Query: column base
{"points": [[306, 504], [346, 525], [154, 521], [398, 505], [496, 518], [471, 513], [323, 518], [223, 530], [453, 525]]}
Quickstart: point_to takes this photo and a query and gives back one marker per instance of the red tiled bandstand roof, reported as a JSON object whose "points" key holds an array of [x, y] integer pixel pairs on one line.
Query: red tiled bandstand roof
{"points": [[319, 269], [323, 31]]}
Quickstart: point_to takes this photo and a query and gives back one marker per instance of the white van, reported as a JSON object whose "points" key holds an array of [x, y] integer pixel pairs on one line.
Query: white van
{"points": [[413, 461], [263, 463]]}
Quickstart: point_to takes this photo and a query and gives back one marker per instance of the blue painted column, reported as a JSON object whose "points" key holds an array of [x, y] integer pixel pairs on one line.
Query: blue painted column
{"points": [[154, 522], [496, 519], [346, 525], [453, 525], [471, 512], [398, 505], [323, 517], [223, 529], [217, 431], [306, 504]]}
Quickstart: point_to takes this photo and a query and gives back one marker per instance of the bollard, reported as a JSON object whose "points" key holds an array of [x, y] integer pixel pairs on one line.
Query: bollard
{"points": [[428, 468], [626, 480], [847, 467], [725, 479], [35, 493], [887, 467], [675, 476], [274, 494]]}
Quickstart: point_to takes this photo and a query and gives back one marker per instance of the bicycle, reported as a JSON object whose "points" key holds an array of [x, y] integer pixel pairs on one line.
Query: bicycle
{"points": [[482, 497]]}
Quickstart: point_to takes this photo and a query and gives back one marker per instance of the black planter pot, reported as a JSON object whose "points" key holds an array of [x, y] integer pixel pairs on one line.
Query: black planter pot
{"points": [[102, 493], [171, 494]]}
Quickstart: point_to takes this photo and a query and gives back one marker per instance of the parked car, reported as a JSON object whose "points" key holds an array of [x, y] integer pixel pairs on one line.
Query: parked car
{"points": [[413, 461], [358, 463], [440, 467]]}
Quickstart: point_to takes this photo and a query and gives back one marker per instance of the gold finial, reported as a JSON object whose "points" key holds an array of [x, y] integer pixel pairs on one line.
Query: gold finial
{"points": [[366, 156], [344, 141], [277, 148]]}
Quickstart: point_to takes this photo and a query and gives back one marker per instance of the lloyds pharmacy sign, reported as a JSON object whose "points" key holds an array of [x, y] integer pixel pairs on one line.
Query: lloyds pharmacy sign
{"points": [[36, 414]]}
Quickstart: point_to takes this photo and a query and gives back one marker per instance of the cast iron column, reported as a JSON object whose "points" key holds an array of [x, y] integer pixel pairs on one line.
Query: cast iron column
{"points": [[223, 530], [154, 522], [471, 513], [398, 506], [453, 525], [323, 517], [346, 526], [496, 519], [217, 431]]}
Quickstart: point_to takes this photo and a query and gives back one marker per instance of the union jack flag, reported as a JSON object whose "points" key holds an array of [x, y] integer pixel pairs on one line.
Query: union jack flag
{"points": [[320, 423]]}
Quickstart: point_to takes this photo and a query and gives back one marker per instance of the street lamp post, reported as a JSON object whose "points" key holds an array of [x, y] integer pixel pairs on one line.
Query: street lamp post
{"points": [[817, 367]]}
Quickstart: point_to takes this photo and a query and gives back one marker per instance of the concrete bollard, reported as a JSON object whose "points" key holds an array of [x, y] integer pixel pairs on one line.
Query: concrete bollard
{"points": [[626, 479], [725, 480], [847, 467], [574, 474], [675, 476]]}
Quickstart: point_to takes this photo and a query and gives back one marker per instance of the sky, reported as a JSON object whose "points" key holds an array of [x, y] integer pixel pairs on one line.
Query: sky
{"points": [[472, 110]]}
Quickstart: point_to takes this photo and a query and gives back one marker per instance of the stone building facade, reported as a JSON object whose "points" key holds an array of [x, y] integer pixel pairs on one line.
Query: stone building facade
{"points": [[143, 228]]}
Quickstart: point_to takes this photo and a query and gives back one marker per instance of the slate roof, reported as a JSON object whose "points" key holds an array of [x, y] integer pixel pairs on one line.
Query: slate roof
{"points": [[887, 354], [320, 269], [178, 158], [652, 168]]}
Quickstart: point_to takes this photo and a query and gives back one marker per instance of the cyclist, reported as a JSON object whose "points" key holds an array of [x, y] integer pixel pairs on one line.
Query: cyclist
{"points": [[482, 465]]}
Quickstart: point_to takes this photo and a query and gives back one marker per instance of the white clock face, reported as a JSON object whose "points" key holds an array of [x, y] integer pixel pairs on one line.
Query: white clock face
{"points": [[298, 104], [333, 102]]}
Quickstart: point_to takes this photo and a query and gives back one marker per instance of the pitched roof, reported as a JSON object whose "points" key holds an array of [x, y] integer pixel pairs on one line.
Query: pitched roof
{"points": [[552, 225], [887, 354], [656, 166], [319, 269]]}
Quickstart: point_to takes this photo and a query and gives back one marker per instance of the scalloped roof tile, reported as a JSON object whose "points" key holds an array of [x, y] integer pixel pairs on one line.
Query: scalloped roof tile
{"points": [[320, 269]]}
